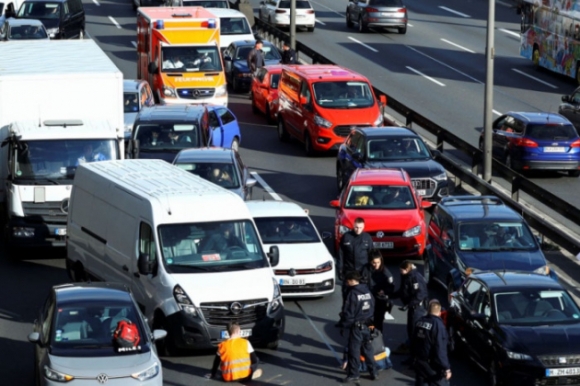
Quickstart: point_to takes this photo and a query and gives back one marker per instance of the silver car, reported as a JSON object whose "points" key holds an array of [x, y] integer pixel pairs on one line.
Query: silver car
{"points": [[377, 14], [136, 95], [74, 341], [23, 29]]}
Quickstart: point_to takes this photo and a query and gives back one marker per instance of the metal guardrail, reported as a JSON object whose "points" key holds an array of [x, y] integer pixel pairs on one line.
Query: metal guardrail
{"points": [[518, 182]]}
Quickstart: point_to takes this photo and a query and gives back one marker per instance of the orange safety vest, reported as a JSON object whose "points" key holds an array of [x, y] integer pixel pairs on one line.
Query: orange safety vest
{"points": [[235, 359]]}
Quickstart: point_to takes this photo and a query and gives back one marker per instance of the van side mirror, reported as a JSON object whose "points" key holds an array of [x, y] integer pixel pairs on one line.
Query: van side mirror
{"points": [[383, 100], [303, 101], [335, 204], [143, 264], [565, 98], [274, 255], [158, 335], [152, 68]]}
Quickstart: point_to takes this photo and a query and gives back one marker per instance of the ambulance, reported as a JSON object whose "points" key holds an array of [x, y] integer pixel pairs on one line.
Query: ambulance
{"points": [[178, 52]]}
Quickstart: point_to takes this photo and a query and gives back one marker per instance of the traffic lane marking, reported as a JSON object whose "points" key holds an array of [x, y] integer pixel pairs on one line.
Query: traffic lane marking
{"points": [[453, 11], [114, 22], [426, 76], [318, 21], [322, 336], [496, 112], [330, 9], [266, 187], [457, 45], [134, 44], [362, 44], [534, 78], [507, 31], [96, 3]]}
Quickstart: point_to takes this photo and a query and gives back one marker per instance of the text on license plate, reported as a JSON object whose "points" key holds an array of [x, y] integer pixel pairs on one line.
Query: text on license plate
{"points": [[244, 334], [387, 14], [384, 245], [60, 231], [421, 192], [292, 281], [552, 149], [562, 372]]}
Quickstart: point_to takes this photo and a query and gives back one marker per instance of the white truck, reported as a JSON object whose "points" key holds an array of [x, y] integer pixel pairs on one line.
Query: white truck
{"points": [[59, 99]]}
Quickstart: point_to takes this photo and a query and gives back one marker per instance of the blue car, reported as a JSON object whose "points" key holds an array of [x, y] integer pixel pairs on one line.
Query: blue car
{"points": [[236, 62], [536, 141]]}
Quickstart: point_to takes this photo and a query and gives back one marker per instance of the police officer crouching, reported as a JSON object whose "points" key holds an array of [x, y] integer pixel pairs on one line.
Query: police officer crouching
{"points": [[356, 316], [429, 347]]}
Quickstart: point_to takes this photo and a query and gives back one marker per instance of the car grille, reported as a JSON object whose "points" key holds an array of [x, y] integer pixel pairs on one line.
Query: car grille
{"points": [[195, 93], [285, 272], [386, 234], [44, 212], [312, 287], [220, 314], [344, 131], [426, 184], [559, 360]]}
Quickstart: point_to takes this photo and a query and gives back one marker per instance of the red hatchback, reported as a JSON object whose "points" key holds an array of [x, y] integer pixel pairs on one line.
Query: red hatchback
{"points": [[264, 92], [393, 212]]}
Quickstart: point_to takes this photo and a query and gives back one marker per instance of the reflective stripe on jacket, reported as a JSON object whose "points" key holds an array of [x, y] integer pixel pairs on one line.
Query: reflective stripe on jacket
{"points": [[235, 359]]}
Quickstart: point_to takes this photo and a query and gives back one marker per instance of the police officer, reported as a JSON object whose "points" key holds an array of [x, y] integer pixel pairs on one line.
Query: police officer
{"points": [[356, 316], [288, 54], [430, 341], [380, 281], [353, 252], [413, 293]]}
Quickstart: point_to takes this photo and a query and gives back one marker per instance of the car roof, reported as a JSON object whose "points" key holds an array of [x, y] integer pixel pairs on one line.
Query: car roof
{"points": [[464, 208], [209, 154], [386, 131], [539, 118], [323, 71], [382, 176], [245, 43], [17, 22], [132, 84], [507, 281], [270, 208], [274, 68], [171, 113], [225, 12], [78, 292]]}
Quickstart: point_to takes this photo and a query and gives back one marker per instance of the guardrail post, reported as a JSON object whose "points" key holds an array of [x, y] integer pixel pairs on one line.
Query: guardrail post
{"points": [[475, 161], [516, 188], [409, 119], [440, 141]]}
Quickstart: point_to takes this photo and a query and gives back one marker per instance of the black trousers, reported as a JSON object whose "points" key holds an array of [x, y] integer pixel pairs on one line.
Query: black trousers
{"points": [[420, 381], [359, 341], [379, 315], [426, 375]]}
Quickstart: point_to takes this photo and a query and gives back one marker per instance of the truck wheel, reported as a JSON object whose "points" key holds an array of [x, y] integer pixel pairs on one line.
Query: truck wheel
{"points": [[273, 345]]}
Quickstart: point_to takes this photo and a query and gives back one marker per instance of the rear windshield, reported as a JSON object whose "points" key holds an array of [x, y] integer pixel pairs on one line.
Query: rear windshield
{"points": [[274, 81], [286, 230], [551, 132], [387, 3], [299, 4], [234, 26], [206, 4]]}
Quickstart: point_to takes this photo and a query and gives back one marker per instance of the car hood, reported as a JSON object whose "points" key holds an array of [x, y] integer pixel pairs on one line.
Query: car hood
{"points": [[416, 169], [543, 340], [242, 65], [376, 220], [355, 116], [118, 365], [504, 260], [50, 23], [301, 256], [241, 285], [129, 119]]}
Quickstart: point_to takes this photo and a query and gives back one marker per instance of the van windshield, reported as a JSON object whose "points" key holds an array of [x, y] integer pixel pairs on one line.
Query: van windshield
{"points": [[167, 136], [211, 247], [190, 59], [343, 95], [39, 10], [234, 26], [206, 3]]}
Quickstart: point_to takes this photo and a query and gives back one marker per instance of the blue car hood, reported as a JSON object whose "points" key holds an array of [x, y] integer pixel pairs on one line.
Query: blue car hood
{"points": [[543, 340], [500, 260], [242, 65], [416, 169]]}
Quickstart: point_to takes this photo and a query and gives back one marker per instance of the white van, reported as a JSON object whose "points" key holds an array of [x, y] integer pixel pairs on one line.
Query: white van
{"points": [[189, 249], [234, 26]]}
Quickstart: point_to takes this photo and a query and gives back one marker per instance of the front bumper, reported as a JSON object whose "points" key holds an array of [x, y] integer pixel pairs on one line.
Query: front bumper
{"points": [[156, 381], [402, 246], [533, 374], [307, 285], [220, 101], [45, 235]]}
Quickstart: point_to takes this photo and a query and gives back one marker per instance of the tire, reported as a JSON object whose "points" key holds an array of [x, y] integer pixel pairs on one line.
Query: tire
{"points": [[271, 120], [235, 85], [255, 108], [574, 173], [236, 144], [428, 271], [282, 133], [308, 150], [273, 345], [339, 179], [166, 346], [310, 29], [362, 28], [76, 272], [536, 57], [402, 30], [349, 23]]}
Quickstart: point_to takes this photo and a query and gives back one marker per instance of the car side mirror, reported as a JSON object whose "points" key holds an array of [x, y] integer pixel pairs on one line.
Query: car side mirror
{"points": [[250, 183], [565, 98], [426, 204], [227, 58], [303, 101], [134, 148], [274, 255], [152, 68], [436, 153], [335, 204], [448, 243], [34, 337], [326, 235], [383, 100], [159, 334], [143, 264]]}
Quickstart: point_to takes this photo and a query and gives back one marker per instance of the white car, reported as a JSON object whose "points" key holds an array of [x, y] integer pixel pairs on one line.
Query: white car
{"points": [[277, 13], [306, 268]]}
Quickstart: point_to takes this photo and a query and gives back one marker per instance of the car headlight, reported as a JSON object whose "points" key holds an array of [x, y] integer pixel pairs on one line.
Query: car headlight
{"points": [[379, 121], [221, 91], [343, 229], [56, 376], [412, 232], [169, 91], [184, 301], [322, 122], [276, 298], [440, 177], [144, 375], [128, 128], [518, 356], [324, 267], [543, 270], [52, 31]]}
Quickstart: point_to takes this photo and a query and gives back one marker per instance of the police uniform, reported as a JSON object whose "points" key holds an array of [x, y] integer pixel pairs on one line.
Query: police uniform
{"points": [[414, 294], [430, 341], [379, 280], [289, 56], [356, 316], [353, 252]]}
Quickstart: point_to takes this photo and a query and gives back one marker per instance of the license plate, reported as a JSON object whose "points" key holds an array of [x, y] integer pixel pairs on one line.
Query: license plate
{"points": [[301, 15], [388, 14], [244, 334], [562, 372], [292, 281], [551, 149], [421, 192], [384, 245], [60, 231]]}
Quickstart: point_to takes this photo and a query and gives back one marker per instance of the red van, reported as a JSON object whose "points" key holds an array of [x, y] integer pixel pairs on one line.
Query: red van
{"points": [[320, 104]]}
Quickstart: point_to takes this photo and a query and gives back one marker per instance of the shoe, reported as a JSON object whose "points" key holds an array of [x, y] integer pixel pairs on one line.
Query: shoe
{"points": [[374, 376], [350, 378], [407, 362], [257, 374]]}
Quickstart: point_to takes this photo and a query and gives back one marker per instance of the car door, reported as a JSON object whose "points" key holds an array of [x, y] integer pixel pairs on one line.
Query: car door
{"points": [[43, 325], [570, 108], [480, 322], [463, 314], [443, 246], [216, 132], [305, 116], [353, 154], [230, 130]]}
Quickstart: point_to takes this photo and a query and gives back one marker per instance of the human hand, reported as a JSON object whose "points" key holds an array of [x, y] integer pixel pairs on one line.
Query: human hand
{"points": [[448, 375]]}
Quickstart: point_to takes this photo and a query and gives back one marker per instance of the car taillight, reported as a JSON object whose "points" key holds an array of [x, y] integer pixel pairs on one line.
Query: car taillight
{"points": [[281, 11], [524, 142], [368, 9], [576, 143], [403, 10], [310, 11]]}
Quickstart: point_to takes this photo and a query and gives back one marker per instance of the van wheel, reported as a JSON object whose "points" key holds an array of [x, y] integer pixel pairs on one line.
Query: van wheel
{"points": [[271, 120], [273, 345], [282, 133], [349, 22], [165, 346], [308, 146], [235, 144], [76, 271], [81, 34]]}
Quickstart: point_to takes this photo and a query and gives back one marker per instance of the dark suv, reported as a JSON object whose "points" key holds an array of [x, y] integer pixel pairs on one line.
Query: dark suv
{"points": [[522, 328], [63, 19], [478, 233], [392, 147]]}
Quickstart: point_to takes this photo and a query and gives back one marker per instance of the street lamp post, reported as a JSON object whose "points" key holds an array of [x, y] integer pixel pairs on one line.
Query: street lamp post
{"points": [[488, 103], [293, 24]]}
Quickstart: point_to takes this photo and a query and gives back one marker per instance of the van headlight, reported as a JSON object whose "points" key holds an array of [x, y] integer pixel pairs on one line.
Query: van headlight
{"points": [[149, 373], [184, 301], [169, 91], [56, 376], [379, 121], [221, 91], [412, 232], [543, 270], [276, 298], [322, 122]]}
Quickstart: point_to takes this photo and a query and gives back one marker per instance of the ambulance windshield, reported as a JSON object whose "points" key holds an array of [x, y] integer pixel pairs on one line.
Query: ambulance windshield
{"points": [[190, 59]]}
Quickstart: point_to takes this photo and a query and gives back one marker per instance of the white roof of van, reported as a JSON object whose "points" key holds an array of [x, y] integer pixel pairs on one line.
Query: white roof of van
{"points": [[90, 129]]}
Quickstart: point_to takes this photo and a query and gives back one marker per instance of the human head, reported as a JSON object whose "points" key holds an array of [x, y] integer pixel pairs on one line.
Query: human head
{"points": [[259, 44], [216, 173], [155, 134], [359, 225], [285, 46], [435, 307], [234, 329], [376, 259], [352, 278], [406, 267], [227, 229], [88, 150]]}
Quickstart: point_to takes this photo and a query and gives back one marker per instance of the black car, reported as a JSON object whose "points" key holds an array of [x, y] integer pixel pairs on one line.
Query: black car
{"points": [[63, 19], [392, 147], [236, 62], [522, 328], [479, 233], [570, 108]]}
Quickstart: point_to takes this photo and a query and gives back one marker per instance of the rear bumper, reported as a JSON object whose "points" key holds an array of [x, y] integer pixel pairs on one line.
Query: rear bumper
{"points": [[546, 165]]}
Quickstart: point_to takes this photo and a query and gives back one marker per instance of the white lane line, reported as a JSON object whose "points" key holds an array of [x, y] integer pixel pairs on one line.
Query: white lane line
{"points": [[321, 22], [362, 44], [426, 77], [409, 25], [134, 44], [534, 78], [458, 46], [96, 3], [338, 359], [330, 9], [453, 11], [504, 3], [266, 187], [445, 65], [114, 22], [507, 31], [496, 112]]}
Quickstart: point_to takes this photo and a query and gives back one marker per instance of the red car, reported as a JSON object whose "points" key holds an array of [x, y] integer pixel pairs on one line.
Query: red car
{"points": [[393, 211], [264, 92]]}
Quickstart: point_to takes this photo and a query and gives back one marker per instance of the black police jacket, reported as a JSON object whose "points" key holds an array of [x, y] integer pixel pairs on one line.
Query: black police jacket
{"points": [[353, 253], [378, 280], [289, 57], [430, 342], [413, 289], [358, 307]]}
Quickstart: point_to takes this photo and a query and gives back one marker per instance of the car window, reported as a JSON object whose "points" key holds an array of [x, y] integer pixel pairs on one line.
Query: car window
{"points": [[495, 235], [482, 303], [551, 132], [397, 148], [225, 115], [447, 229], [213, 120], [390, 197], [470, 292], [274, 81], [305, 92], [286, 230], [220, 173], [386, 3], [147, 242], [243, 52], [535, 307], [131, 104], [234, 26]]}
